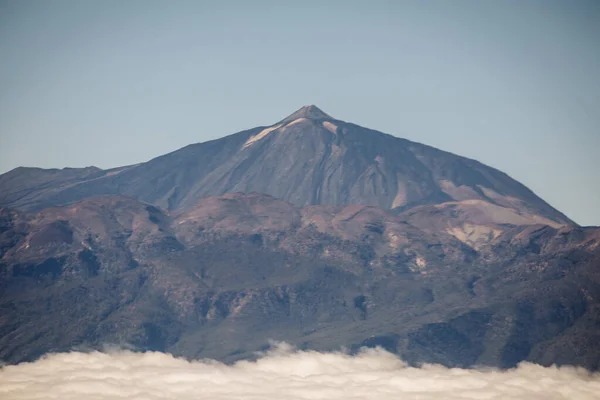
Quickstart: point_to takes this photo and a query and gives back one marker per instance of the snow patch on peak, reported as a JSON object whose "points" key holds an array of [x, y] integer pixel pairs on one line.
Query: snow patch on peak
{"points": [[296, 121], [261, 135], [330, 127]]}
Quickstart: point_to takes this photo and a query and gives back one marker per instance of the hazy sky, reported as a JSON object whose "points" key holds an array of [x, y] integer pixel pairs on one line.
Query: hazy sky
{"points": [[514, 84]]}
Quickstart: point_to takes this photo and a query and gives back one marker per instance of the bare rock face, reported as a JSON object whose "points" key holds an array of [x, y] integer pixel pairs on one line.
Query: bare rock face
{"points": [[231, 272], [308, 158], [313, 231]]}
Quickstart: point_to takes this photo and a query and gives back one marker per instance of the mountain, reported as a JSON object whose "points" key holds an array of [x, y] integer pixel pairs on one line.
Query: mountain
{"points": [[308, 158], [312, 231], [231, 272]]}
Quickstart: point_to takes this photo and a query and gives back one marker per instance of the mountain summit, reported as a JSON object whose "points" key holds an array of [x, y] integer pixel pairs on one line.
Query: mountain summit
{"points": [[313, 231], [308, 112], [308, 158]]}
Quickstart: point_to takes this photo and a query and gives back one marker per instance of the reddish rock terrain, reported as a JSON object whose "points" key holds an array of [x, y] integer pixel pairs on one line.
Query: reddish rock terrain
{"points": [[231, 272], [311, 230]]}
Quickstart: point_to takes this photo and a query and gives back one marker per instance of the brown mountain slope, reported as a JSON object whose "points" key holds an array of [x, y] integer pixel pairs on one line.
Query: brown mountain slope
{"points": [[229, 273], [474, 222]]}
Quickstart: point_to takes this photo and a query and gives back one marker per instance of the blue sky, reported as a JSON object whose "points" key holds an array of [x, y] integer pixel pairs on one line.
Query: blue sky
{"points": [[514, 84]]}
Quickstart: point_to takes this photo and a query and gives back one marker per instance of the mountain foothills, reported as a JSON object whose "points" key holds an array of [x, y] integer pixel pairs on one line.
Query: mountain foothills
{"points": [[312, 231]]}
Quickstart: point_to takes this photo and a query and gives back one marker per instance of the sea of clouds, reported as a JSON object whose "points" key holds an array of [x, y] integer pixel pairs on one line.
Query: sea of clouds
{"points": [[282, 374]]}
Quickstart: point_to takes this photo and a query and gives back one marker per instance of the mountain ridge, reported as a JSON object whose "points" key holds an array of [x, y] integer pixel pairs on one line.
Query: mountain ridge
{"points": [[313, 231], [306, 158]]}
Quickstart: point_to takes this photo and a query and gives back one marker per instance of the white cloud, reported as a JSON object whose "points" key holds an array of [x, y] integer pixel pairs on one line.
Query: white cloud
{"points": [[281, 374]]}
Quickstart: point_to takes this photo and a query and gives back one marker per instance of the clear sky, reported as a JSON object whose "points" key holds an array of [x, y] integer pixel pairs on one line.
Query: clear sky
{"points": [[513, 84]]}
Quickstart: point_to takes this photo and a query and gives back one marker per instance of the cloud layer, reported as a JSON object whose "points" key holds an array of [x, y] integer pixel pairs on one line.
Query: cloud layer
{"points": [[281, 374]]}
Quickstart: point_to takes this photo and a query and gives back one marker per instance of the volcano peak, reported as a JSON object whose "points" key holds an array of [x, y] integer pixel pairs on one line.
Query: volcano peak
{"points": [[308, 112]]}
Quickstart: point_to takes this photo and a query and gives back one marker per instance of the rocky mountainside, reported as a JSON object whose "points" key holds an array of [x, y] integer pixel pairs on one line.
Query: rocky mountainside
{"points": [[454, 283], [308, 158], [311, 230]]}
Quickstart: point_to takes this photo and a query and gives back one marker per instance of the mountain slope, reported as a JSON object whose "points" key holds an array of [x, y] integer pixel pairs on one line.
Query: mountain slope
{"points": [[308, 158], [229, 273], [312, 230]]}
